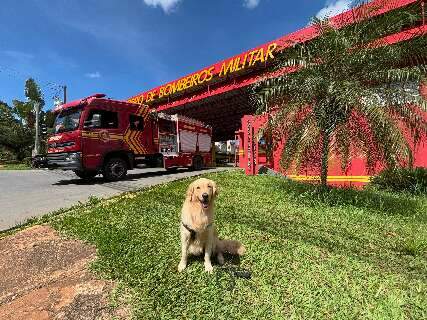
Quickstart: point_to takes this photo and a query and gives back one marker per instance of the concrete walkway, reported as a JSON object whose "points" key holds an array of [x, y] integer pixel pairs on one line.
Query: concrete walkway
{"points": [[29, 193]]}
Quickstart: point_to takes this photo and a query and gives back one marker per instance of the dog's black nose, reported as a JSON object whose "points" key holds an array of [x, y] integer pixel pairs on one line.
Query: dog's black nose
{"points": [[205, 195]]}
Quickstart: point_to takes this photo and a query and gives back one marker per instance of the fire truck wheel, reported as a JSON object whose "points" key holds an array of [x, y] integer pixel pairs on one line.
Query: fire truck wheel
{"points": [[115, 169], [197, 163], [85, 174]]}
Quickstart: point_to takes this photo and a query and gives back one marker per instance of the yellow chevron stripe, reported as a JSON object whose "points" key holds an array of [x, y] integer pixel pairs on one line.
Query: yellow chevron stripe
{"points": [[132, 141], [129, 141], [138, 141], [130, 137], [133, 138], [146, 112], [143, 110]]}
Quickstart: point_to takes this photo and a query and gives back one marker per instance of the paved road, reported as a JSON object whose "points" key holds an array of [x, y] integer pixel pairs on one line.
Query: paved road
{"points": [[28, 193]]}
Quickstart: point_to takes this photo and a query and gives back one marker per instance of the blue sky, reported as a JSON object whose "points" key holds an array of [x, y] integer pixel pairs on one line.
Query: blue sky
{"points": [[123, 47]]}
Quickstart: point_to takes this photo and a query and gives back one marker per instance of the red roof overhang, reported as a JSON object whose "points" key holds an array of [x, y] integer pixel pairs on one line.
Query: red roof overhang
{"points": [[222, 102], [374, 8]]}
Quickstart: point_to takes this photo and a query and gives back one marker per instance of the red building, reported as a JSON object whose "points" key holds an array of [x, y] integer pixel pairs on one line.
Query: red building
{"points": [[219, 95]]}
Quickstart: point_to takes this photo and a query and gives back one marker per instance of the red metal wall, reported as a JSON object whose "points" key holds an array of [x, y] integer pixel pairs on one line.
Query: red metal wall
{"points": [[250, 158]]}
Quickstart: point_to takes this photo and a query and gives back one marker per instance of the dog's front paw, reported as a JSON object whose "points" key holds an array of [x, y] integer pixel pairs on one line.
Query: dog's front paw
{"points": [[182, 266], [208, 267]]}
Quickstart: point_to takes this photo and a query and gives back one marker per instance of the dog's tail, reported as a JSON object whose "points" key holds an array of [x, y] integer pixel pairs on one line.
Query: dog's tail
{"points": [[231, 246]]}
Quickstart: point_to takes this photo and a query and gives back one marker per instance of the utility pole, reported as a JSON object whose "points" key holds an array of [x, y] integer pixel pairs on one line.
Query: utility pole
{"points": [[65, 94], [36, 150]]}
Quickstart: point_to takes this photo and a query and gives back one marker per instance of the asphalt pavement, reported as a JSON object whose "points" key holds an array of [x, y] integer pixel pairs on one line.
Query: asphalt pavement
{"points": [[29, 193]]}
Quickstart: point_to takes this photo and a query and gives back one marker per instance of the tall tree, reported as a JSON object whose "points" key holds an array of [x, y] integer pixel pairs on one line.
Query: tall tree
{"points": [[17, 123], [33, 92], [6, 114], [24, 112], [346, 90], [14, 136], [49, 118]]}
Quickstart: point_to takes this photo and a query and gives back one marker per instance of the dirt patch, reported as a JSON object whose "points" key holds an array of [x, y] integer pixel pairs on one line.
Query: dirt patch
{"points": [[44, 276]]}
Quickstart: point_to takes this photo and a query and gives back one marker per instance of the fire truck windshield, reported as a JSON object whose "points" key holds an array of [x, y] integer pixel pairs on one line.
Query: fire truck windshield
{"points": [[67, 120]]}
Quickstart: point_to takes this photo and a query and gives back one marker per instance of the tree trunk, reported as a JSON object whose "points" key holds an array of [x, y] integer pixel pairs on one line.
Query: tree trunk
{"points": [[325, 156]]}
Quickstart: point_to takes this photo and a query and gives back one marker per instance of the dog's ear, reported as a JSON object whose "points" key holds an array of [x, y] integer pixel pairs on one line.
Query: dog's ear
{"points": [[190, 192], [215, 188]]}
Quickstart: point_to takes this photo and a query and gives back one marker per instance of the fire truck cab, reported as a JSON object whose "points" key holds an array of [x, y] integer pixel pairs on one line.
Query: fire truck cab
{"points": [[99, 135]]}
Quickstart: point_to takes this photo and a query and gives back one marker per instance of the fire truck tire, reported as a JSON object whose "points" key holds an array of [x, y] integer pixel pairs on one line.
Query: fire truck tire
{"points": [[115, 169], [197, 163], [86, 175]]}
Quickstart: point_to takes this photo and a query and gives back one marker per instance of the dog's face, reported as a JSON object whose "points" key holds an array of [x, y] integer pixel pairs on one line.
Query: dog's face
{"points": [[202, 191]]}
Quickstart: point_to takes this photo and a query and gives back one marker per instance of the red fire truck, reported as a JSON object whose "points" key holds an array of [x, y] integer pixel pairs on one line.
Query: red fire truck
{"points": [[99, 135]]}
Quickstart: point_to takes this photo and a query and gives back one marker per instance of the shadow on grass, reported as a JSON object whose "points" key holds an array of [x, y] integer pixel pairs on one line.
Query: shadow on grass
{"points": [[226, 274], [387, 203], [233, 260]]}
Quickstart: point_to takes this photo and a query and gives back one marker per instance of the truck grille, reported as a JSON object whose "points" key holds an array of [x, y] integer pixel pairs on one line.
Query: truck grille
{"points": [[56, 157], [64, 160]]}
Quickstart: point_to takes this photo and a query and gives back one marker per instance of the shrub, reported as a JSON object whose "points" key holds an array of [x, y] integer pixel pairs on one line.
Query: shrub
{"points": [[5, 155], [402, 179]]}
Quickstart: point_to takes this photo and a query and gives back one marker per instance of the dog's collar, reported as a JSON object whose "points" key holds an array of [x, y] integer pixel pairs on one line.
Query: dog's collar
{"points": [[192, 231], [188, 228]]}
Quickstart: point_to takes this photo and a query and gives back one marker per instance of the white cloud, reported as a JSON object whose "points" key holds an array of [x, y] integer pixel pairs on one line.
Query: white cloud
{"points": [[93, 75], [334, 7], [251, 4], [166, 5], [169, 5]]}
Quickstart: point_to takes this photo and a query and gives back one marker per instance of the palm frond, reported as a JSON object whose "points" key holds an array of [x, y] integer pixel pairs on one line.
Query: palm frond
{"points": [[352, 88]]}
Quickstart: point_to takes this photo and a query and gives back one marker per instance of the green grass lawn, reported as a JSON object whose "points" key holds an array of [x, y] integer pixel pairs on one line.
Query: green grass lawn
{"points": [[341, 254]]}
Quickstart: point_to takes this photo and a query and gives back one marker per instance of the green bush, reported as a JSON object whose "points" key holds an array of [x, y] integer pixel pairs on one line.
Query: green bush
{"points": [[6, 155], [402, 179]]}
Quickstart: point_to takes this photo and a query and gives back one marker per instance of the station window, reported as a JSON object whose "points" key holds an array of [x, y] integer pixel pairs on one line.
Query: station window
{"points": [[102, 119], [136, 122]]}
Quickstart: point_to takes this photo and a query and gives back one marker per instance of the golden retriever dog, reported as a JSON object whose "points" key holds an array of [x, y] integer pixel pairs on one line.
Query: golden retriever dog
{"points": [[198, 233]]}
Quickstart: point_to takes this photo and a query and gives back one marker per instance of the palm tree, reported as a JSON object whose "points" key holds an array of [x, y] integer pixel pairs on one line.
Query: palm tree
{"points": [[346, 91]]}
